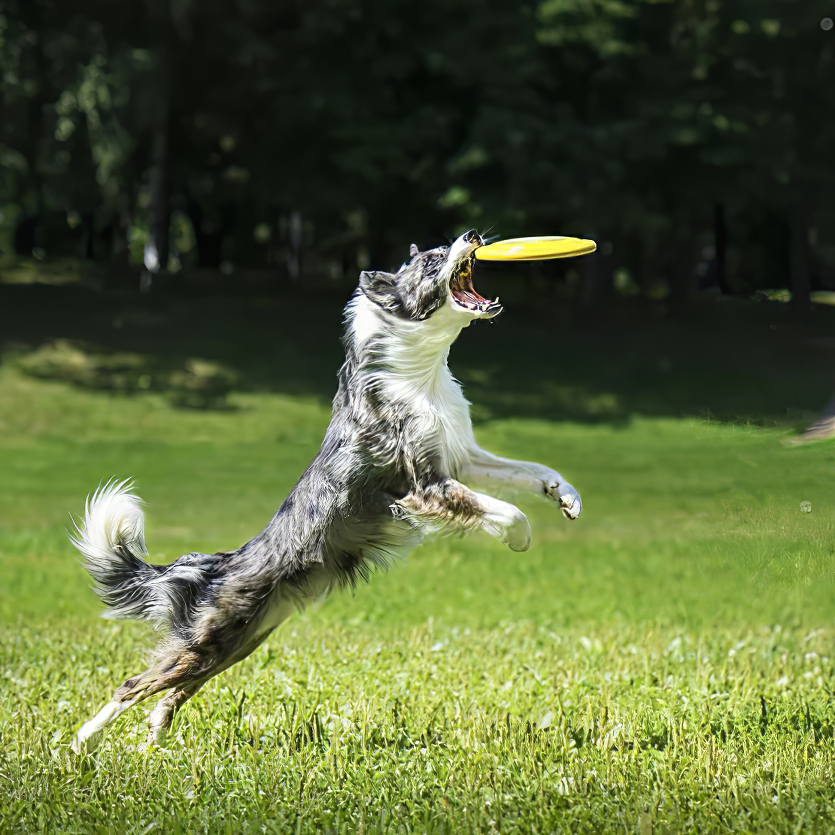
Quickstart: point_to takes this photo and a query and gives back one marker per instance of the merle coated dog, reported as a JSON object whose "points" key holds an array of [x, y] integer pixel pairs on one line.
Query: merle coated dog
{"points": [[399, 462]]}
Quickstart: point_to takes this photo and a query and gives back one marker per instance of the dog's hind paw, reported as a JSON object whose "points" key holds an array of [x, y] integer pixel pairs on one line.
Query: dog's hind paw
{"points": [[84, 744]]}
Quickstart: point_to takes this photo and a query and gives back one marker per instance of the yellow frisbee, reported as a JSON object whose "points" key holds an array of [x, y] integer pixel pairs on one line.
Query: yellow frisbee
{"points": [[535, 249]]}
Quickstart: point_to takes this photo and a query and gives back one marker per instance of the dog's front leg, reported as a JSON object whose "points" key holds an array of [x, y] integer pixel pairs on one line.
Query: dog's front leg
{"points": [[493, 473], [449, 505]]}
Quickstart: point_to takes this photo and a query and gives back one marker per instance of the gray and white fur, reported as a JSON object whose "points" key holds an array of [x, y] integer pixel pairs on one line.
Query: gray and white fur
{"points": [[399, 462]]}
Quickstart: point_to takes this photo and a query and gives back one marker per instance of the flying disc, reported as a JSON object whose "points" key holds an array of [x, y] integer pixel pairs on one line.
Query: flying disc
{"points": [[535, 249]]}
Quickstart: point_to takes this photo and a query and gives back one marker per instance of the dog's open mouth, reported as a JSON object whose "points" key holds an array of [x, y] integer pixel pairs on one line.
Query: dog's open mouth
{"points": [[465, 295]]}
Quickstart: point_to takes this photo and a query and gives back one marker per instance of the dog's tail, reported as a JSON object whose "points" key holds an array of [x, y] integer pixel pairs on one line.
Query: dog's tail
{"points": [[111, 538]]}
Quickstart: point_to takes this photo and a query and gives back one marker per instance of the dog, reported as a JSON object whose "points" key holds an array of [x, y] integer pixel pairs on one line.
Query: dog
{"points": [[399, 462]]}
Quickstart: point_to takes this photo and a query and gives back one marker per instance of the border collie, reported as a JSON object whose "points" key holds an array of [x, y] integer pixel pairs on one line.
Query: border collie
{"points": [[399, 462]]}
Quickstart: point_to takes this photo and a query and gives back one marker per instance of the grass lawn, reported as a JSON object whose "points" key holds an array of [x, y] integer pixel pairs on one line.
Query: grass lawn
{"points": [[663, 665]]}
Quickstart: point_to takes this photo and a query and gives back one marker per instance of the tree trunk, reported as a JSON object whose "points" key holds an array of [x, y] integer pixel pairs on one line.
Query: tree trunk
{"points": [[595, 276], [24, 235], [801, 285], [720, 245], [89, 236], [157, 245], [294, 245], [208, 236], [683, 279]]}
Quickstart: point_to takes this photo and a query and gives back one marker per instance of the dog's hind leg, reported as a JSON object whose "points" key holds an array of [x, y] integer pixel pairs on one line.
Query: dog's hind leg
{"points": [[176, 668], [88, 737], [183, 668], [162, 715]]}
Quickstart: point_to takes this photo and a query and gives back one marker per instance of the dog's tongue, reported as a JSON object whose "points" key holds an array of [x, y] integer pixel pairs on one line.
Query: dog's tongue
{"points": [[469, 294]]}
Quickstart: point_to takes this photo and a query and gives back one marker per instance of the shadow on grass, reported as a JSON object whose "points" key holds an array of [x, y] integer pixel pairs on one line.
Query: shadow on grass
{"points": [[192, 383], [731, 360]]}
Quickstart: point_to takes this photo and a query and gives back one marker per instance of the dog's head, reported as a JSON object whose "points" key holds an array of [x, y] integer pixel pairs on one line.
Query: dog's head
{"points": [[431, 281]]}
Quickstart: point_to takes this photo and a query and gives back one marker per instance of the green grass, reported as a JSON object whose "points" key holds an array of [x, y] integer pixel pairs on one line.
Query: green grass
{"points": [[663, 665]]}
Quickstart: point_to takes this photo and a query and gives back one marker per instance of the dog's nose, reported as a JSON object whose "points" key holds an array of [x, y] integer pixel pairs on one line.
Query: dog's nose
{"points": [[472, 237]]}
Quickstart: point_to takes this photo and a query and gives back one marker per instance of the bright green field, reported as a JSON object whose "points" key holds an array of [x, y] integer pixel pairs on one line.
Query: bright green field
{"points": [[663, 665]]}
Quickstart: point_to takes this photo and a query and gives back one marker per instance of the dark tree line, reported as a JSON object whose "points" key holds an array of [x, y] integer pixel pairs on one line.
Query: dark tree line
{"points": [[692, 139]]}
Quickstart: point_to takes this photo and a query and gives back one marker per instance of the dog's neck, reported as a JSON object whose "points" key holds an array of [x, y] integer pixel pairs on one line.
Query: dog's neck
{"points": [[414, 353]]}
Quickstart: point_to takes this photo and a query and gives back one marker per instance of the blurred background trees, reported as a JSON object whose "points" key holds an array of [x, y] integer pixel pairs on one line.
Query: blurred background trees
{"points": [[690, 138]]}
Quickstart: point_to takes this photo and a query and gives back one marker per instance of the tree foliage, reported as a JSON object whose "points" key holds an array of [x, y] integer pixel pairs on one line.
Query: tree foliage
{"points": [[254, 132]]}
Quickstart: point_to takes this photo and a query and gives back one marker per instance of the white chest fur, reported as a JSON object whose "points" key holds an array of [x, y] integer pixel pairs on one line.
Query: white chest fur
{"points": [[449, 431], [417, 376]]}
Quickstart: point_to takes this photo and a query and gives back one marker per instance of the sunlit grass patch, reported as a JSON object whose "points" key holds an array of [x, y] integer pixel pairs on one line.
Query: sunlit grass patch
{"points": [[664, 664], [516, 728]]}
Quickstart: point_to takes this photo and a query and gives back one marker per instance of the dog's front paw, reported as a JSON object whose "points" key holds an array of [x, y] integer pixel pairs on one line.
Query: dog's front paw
{"points": [[519, 534], [566, 497]]}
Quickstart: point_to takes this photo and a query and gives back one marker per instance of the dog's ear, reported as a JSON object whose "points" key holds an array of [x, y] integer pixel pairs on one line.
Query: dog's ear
{"points": [[379, 287], [413, 250], [376, 281]]}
